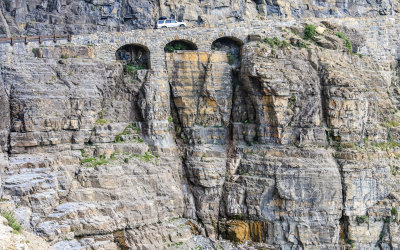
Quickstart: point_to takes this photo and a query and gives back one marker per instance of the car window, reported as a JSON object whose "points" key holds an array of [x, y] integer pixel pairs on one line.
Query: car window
{"points": [[160, 22], [169, 21], [173, 21]]}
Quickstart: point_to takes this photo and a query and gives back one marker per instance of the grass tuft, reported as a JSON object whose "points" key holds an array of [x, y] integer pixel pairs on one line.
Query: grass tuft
{"points": [[12, 221], [230, 59], [131, 69], [310, 32], [101, 121], [349, 46]]}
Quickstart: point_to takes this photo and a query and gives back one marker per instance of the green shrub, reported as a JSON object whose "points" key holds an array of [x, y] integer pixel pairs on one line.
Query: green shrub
{"points": [[35, 51], [381, 236], [394, 211], [349, 46], [175, 46], [310, 32], [385, 145], [169, 48], [338, 146], [230, 59], [148, 157], [175, 244], [270, 41], [112, 156], [361, 219], [101, 121], [87, 160], [300, 44], [180, 46], [292, 100], [390, 124], [83, 152], [131, 69], [275, 41], [341, 35], [348, 43], [393, 170], [351, 243], [99, 162], [118, 138], [64, 56], [12, 221], [284, 44], [94, 162]]}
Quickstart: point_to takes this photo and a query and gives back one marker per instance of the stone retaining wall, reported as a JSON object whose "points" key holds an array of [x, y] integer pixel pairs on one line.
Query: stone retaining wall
{"points": [[382, 38]]}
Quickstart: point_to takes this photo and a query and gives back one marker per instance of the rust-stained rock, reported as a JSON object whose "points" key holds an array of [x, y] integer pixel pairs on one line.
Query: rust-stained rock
{"points": [[242, 231]]}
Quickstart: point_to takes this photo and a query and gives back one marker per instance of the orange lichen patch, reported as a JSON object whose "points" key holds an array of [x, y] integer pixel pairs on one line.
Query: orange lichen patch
{"points": [[256, 231], [119, 237], [193, 228], [242, 231], [238, 231], [210, 102]]}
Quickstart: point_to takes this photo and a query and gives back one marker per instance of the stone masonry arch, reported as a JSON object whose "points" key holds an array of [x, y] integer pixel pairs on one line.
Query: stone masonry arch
{"points": [[238, 36], [239, 42], [135, 54], [180, 44], [232, 46]]}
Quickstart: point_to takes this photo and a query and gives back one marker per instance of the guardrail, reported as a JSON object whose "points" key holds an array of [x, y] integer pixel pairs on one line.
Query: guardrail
{"points": [[27, 39]]}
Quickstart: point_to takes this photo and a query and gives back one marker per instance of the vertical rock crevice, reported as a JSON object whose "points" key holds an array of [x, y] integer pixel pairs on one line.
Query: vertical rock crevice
{"points": [[5, 124], [4, 25], [5, 112]]}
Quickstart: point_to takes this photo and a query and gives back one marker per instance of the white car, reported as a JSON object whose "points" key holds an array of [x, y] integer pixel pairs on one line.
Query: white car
{"points": [[170, 23]]}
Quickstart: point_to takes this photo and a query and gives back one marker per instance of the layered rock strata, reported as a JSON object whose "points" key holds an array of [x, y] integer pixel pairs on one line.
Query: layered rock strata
{"points": [[289, 143]]}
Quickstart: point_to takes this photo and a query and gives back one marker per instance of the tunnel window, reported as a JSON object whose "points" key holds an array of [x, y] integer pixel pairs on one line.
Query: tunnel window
{"points": [[179, 45], [231, 46], [135, 55]]}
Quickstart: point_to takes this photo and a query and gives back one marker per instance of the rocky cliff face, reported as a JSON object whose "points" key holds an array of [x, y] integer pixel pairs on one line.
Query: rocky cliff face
{"points": [[288, 152], [47, 17], [278, 142]]}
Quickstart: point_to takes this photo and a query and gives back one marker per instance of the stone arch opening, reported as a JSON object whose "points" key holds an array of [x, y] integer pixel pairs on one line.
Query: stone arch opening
{"points": [[136, 55], [179, 45], [226, 41], [232, 46]]}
